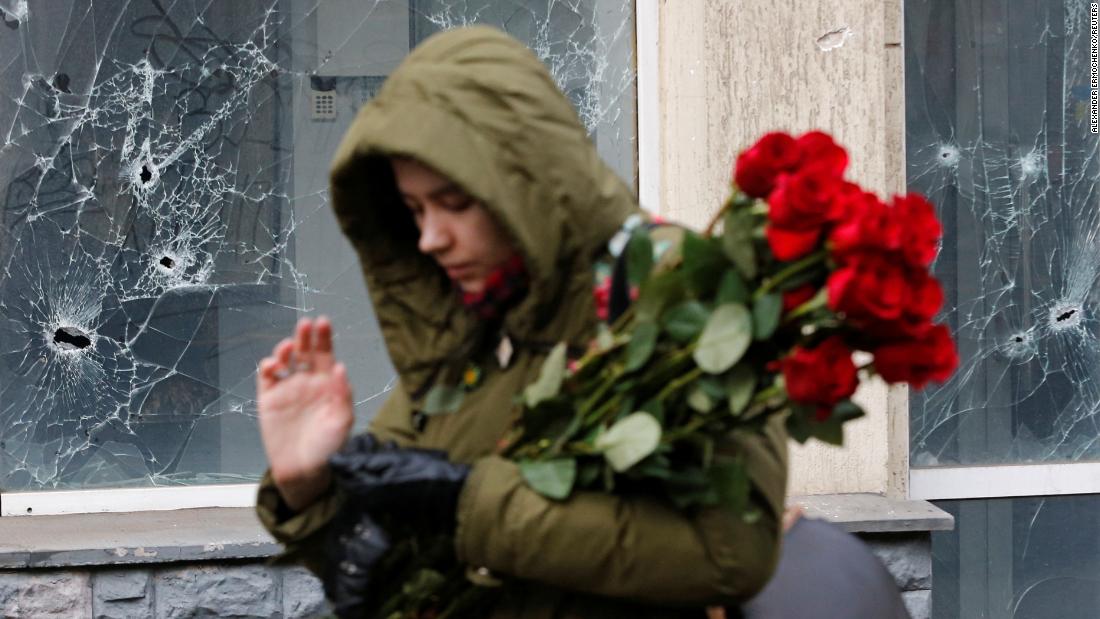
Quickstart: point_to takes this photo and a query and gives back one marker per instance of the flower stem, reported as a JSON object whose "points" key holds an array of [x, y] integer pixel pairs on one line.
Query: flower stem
{"points": [[790, 271], [736, 199], [718, 217], [678, 384], [817, 302]]}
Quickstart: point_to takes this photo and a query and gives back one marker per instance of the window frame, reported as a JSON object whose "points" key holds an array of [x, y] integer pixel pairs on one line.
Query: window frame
{"points": [[1004, 481]]}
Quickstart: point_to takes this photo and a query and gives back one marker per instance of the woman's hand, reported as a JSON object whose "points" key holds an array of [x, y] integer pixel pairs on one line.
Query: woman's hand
{"points": [[306, 411]]}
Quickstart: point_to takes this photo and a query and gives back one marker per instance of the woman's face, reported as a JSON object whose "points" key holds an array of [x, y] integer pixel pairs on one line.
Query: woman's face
{"points": [[455, 229]]}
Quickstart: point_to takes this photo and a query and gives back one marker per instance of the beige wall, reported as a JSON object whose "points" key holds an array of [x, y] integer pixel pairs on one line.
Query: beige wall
{"points": [[731, 70]]}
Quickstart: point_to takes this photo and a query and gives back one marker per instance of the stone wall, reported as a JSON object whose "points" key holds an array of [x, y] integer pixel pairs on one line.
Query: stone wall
{"points": [[908, 557], [253, 589], [173, 591]]}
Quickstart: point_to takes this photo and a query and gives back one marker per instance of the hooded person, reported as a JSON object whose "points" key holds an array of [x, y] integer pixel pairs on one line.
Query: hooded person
{"points": [[478, 109]]}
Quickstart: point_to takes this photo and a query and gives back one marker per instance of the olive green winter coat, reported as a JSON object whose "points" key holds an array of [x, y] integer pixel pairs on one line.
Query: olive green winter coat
{"points": [[482, 110]]}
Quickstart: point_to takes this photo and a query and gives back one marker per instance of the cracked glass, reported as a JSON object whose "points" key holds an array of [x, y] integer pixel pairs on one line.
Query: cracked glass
{"points": [[998, 136], [165, 218], [1021, 558], [997, 133]]}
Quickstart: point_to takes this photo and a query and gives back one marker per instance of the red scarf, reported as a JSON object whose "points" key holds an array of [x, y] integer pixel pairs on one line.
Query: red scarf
{"points": [[506, 285]]}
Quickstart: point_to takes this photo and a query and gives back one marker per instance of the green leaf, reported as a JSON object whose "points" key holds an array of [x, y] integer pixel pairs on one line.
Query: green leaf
{"points": [[737, 241], [629, 440], [686, 320], [443, 399], [765, 315], [550, 478], [731, 482], [656, 408], [725, 338], [690, 487], [740, 387], [549, 419], [604, 338], [422, 585], [548, 383], [700, 400], [798, 423], [847, 410], [713, 387], [830, 431], [703, 264], [642, 343], [802, 424], [656, 293], [639, 257], [657, 467], [588, 473], [732, 289]]}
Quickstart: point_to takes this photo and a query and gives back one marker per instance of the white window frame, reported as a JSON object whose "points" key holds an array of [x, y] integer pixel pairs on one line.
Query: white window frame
{"points": [[52, 503], [1008, 480], [41, 503]]}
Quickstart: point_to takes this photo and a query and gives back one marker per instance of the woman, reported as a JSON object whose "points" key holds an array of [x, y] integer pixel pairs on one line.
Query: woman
{"points": [[480, 209]]}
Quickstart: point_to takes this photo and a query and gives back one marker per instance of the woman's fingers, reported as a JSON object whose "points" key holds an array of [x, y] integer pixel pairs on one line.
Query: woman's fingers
{"points": [[283, 351], [266, 375], [322, 345], [340, 377], [303, 345]]}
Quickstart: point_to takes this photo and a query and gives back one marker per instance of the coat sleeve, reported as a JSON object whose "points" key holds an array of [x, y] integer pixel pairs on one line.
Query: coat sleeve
{"points": [[628, 547], [303, 533]]}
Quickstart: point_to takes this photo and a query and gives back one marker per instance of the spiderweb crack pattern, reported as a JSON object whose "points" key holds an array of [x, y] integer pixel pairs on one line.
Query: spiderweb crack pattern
{"points": [[998, 138], [165, 214]]}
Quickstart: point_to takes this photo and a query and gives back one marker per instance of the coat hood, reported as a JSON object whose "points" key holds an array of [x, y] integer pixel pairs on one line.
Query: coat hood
{"points": [[482, 110]]}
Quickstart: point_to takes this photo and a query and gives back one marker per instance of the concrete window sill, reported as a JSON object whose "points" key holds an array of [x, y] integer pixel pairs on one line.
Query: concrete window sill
{"points": [[209, 534], [874, 513], [217, 534]]}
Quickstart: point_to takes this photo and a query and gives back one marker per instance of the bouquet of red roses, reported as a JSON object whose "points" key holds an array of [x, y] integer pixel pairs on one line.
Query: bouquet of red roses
{"points": [[759, 316]]}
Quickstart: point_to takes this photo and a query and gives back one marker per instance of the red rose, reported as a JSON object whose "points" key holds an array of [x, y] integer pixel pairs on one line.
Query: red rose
{"points": [[818, 148], [601, 294], [920, 229], [925, 296], [756, 168], [804, 200], [787, 245], [867, 224], [917, 361], [820, 376], [869, 287], [794, 298]]}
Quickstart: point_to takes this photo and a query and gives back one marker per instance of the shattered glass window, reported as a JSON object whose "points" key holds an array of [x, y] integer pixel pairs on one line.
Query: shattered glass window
{"points": [[165, 218], [998, 136], [1025, 558], [997, 132]]}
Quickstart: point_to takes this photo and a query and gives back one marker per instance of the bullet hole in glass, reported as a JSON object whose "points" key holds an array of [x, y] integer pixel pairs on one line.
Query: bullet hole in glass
{"points": [[61, 83], [70, 338], [167, 262], [1066, 315], [146, 175], [1019, 339]]}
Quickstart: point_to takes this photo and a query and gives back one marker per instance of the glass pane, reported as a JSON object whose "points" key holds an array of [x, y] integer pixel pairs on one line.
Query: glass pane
{"points": [[165, 221], [997, 131], [1033, 558]]}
